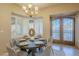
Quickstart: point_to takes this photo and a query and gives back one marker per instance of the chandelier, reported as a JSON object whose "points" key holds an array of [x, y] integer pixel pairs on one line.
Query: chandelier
{"points": [[30, 10]]}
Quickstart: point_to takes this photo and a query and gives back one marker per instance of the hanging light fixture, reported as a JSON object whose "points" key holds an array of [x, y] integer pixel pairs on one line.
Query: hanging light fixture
{"points": [[30, 10]]}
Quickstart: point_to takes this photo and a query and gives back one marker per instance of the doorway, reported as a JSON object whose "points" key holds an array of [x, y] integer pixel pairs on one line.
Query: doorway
{"points": [[62, 30]]}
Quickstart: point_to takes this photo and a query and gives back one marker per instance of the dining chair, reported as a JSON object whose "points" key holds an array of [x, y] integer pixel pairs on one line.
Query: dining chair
{"points": [[38, 36], [20, 37], [58, 52], [47, 51], [14, 42], [13, 45], [49, 42], [11, 51], [15, 52]]}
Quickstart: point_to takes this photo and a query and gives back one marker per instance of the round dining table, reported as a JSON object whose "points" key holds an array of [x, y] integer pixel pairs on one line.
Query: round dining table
{"points": [[31, 45]]}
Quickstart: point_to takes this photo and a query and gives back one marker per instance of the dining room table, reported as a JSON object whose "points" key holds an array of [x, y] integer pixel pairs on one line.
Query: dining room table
{"points": [[31, 45]]}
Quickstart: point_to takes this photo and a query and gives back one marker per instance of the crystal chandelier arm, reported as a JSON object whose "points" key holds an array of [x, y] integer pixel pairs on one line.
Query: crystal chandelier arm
{"points": [[30, 11]]}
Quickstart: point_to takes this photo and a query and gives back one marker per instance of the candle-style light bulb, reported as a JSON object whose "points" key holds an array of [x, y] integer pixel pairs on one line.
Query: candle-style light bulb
{"points": [[26, 11], [29, 6], [36, 8], [24, 8]]}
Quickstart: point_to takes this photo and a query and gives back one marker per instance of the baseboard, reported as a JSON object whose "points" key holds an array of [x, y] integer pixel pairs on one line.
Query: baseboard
{"points": [[76, 47]]}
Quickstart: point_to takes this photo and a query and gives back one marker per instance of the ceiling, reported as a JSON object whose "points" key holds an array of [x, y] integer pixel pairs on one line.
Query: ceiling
{"points": [[42, 6], [39, 5]]}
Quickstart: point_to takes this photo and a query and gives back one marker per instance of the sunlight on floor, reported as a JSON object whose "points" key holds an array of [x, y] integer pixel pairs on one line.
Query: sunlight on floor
{"points": [[64, 50]]}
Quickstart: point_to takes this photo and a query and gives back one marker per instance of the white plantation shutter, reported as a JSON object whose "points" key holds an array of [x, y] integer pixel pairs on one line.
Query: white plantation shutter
{"points": [[37, 30], [21, 25]]}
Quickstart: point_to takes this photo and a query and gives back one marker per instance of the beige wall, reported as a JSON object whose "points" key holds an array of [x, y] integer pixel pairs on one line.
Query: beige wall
{"points": [[5, 17]]}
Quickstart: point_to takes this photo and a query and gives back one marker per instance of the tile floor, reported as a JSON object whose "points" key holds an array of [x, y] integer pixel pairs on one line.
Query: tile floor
{"points": [[64, 50], [58, 50], [61, 50]]}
